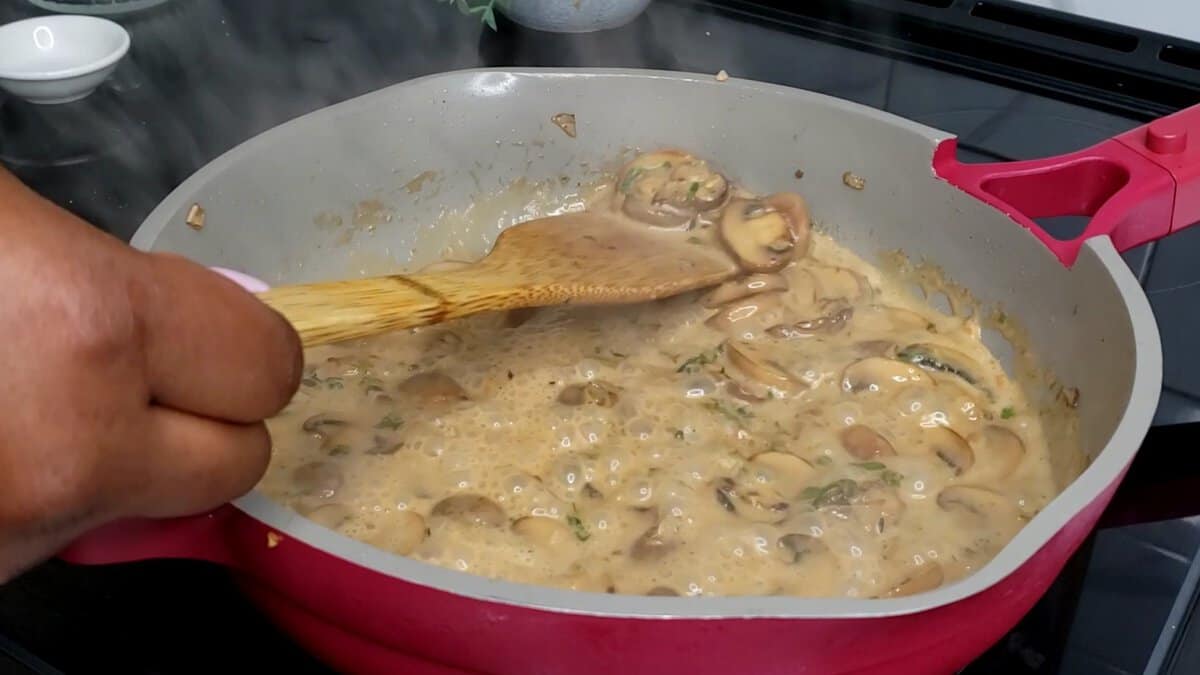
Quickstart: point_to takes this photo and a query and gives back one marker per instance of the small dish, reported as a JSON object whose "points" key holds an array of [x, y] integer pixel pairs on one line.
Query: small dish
{"points": [[58, 59]]}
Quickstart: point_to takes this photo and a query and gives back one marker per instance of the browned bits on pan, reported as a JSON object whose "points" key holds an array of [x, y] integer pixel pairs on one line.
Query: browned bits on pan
{"points": [[566, 122], [195, 217], [273, 539], [722, 75], [799, 174], [854, 181]]}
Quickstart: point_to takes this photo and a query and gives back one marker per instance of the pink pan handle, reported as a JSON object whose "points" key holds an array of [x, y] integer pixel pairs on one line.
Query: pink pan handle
{"points": [[1137, 187]]}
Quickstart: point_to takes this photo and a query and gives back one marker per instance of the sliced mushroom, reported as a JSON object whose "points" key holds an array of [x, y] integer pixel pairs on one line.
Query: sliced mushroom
{"points": [[321, 424], [882, 348], [652, 545], [329, 515], [433, 387], [817, 563], [943, 360], [471, 509], [982, 508], [755, 362], [742, 317], [925, 578], [597, 392], [840, 284], [756, 504], [879, 375], [952, 449], [745, 287], [317, 479], [834, 318], [998, 451], [763, 234], [407, 531], [541, 531], [863, 443], [785, 472], [662, 591], [669, 188]]}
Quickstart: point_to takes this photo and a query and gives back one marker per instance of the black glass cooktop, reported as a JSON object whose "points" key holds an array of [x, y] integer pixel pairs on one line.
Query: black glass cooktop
{"points": [[1012, 82]]}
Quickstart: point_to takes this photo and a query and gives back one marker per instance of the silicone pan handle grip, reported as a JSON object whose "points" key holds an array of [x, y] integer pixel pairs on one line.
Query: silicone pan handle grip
{"points": [[202, 537], [1137, 187]]}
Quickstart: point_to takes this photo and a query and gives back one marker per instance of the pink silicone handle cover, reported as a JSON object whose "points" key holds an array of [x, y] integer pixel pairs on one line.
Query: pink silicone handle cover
{"points": [[1137, 187]]}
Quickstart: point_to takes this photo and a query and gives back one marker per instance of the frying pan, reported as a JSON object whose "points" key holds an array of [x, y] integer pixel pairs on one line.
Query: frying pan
{"points": [[364, 610]]}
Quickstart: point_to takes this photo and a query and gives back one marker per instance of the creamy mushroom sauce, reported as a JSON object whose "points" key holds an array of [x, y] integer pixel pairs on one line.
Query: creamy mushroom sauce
{"points": [[811, 428]]}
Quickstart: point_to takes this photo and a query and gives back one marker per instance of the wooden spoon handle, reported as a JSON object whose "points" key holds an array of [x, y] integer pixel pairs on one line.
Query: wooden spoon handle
{"points": [[332, 311]]}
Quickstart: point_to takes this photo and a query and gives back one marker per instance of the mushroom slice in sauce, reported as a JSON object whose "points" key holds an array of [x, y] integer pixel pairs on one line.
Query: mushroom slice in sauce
{"points": [[943, 360], [998, 451], [433, 387], [745, 317], [407, 530], [785, 472], [952, 449], [767, 234], [652, 545], [753, 360], [925, 578], [322, 424], [745, 287], [985, 509], [879, 375], [669, 188], [864, 443], [329, 515], [542, 531], [756, 505], [598, 393], [817, 563], [472, 509], [834, 319], [317, 479]]}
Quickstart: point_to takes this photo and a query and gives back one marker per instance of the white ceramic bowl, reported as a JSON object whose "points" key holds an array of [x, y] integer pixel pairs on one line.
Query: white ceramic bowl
{"points": [[56, 59], [571, 16]]}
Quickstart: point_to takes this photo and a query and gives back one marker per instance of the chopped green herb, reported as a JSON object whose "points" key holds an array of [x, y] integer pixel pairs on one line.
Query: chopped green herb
{"points": [[891, 478], [1007, 413], [693, 189], [824, 460], [339, 450], [581, 531], [870, 466], [390, 421], [698, 361], [630, 177], [737, 414], [837, 493], [334, 383], [695, 240]]}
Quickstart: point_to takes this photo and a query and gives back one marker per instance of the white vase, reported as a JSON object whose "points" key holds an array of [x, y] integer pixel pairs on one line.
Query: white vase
{"points": [[573, 16]]}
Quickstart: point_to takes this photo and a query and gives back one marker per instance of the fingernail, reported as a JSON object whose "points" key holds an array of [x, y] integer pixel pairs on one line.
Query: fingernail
{"points": [[244, 280]]}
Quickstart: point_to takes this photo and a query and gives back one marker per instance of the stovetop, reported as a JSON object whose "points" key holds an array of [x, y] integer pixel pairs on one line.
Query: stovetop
{"points": [[1011, 81]]}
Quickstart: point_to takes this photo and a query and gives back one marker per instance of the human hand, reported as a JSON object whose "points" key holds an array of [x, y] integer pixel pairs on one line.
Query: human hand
{"points": [[134, 384]]}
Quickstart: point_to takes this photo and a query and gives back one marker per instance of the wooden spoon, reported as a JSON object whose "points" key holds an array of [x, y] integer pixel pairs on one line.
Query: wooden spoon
{"points": [[584, 258]]}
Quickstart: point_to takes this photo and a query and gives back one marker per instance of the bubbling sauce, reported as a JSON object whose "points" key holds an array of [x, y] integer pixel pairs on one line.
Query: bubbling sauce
{"points": [[810, 428]]}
